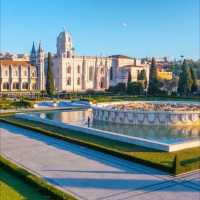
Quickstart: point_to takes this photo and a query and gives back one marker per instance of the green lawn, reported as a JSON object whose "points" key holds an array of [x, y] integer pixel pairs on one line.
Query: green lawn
{"points": [[189, 158], [111, 98], [11, 104], [14, 188]]}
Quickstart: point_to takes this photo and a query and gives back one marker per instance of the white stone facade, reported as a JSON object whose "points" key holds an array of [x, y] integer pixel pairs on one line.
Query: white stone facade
{"points": [[17, 76], [74, 73], [81, 73]]}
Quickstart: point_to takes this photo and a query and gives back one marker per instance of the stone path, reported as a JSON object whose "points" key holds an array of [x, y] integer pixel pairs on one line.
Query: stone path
{"points": [[91, 175]]}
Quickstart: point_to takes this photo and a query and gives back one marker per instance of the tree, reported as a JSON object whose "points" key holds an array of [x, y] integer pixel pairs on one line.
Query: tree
{"points": [[129, 77], [153, 81], [135, 88], [143, 78], [194, 80], [185, 80], [119, 88], [50, 82]]}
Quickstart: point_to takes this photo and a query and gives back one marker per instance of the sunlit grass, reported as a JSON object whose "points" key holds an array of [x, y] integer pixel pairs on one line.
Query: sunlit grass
{"points": [[14, 188]]}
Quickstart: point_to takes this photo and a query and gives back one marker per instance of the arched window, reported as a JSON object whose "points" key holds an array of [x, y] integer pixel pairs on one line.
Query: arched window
{"points": [[102, 70], [16, 72], [78, 81], [102, 83], [68, 54], [25, 86], [69, 69], [6, 72], [69, 81], [34, 86], [25, 73], [15, 86], [33, 74], [90, 73], [6, 86], [79, 69]]}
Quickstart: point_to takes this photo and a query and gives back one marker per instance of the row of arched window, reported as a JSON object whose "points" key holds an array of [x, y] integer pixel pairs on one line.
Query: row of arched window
{"points": [[16, 73], [69, 69], [101, 83], [69, 81], [16, 86], [90, 72]]}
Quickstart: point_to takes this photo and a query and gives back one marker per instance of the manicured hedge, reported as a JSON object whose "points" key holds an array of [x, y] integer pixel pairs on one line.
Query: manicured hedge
{"points": [[36, 181], [180, 167]]}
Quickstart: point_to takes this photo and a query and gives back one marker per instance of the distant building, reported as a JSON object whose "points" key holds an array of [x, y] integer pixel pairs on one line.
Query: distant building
{"points": [[72, 73], [17, 76], [122, 65], [21, 74], [164, 75], [81, 73]]}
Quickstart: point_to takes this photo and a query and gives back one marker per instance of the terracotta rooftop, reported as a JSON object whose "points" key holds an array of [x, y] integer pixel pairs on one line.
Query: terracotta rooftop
{"points": [[14, 62]]}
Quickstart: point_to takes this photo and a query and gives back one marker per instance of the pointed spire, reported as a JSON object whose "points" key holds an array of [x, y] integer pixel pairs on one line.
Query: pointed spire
{"points": [[33, 49], [40, 47], [33, 55]]}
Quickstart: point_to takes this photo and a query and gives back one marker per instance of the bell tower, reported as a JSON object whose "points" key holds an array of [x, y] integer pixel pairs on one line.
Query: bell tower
{"points": [[65, 45]]}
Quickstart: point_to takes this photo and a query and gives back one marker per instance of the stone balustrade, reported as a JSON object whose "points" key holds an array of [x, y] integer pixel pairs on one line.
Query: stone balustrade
{"points": [[146, 117]]}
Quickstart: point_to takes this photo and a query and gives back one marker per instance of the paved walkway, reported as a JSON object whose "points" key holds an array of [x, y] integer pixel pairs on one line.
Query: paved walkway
{"points": [[91, 175]]}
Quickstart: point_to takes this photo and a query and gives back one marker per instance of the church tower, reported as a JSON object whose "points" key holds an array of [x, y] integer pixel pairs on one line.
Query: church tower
{"points": [[65, 45], [33, 55], [40, 67]]}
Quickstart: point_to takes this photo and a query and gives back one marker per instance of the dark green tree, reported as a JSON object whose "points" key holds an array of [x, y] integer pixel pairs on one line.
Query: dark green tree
{"points": [[128, 81], [194, 80], [135, 88], [153, 80], [142, 77], [185, 80], [119, 88], [50, 82]]}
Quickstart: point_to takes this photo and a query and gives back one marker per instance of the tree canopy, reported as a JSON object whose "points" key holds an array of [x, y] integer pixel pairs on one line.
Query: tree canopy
{"points": [[185, 80], [50, 82], [153, 80]]}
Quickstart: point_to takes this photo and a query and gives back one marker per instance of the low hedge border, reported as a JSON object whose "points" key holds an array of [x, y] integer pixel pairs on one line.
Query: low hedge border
{"points": [[36, 181], [93, 146]]}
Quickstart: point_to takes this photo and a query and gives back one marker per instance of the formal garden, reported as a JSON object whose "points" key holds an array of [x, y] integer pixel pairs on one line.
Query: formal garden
{"points": [[21, 184]]}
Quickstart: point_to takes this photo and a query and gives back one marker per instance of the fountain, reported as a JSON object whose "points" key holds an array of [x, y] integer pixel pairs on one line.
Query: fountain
{"points": [[148, 113]]}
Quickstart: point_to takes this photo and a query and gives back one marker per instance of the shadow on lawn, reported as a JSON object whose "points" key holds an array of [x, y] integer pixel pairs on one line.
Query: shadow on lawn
{"points": [[27, 190]]}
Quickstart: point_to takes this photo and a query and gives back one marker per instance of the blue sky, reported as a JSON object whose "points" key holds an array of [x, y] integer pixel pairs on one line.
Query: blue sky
{"points": [[136, 28]]}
